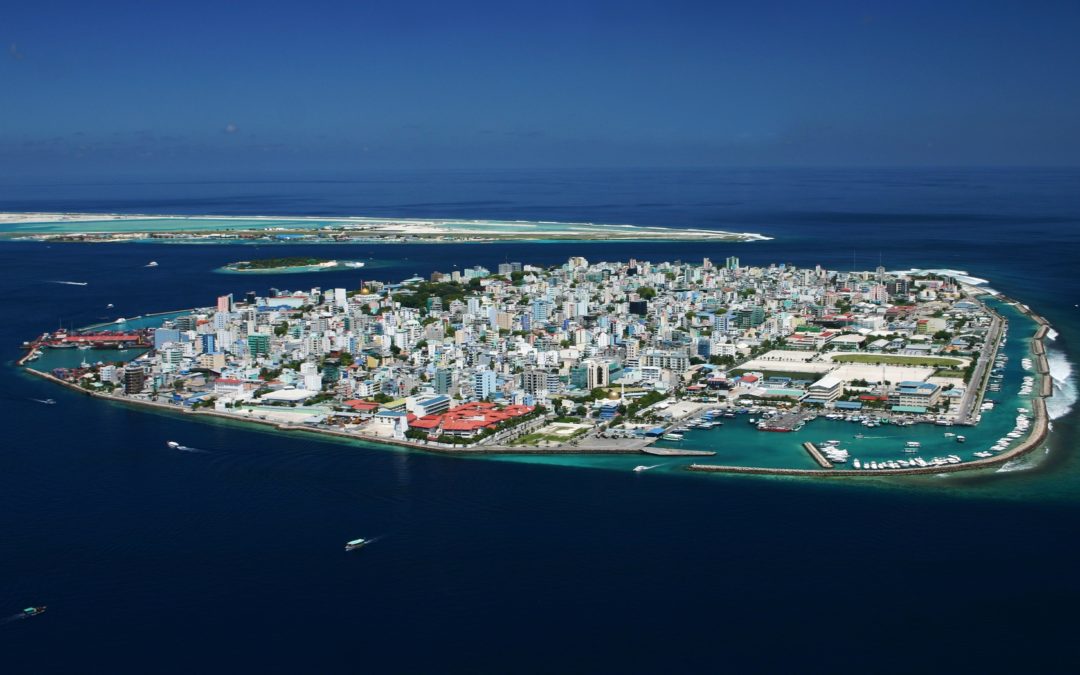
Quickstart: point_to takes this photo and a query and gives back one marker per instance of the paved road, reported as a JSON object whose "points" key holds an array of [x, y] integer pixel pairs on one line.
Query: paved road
{"points": [[986, 360]]}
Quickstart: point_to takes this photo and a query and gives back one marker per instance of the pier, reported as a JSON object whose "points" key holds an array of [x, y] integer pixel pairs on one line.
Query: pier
{"points": [[675, 452], [817, 456]]}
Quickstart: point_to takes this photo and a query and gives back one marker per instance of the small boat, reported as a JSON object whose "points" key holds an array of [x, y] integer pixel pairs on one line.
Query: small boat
{"points": [[34, 611], [172, 444], [109, 306], [673, 436], [152, 263], [355, 544], [641, 468], [960, 439]]}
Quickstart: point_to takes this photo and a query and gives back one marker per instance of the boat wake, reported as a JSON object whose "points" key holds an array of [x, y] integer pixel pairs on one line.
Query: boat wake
{"points": [[14, 617], [45, 401], [1065, 389], [184, 448], [71, 283]]}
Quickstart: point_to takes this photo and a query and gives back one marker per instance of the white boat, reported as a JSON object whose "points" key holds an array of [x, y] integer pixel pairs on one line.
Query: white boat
{"points": [[960, 439], [355, 544], [641, 468], [172, 444], [354, 264], [913, 444], [152, 263], [673, 436]]}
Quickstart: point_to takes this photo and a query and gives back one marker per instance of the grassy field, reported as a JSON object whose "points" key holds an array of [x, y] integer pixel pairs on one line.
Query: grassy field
{"points": [[948, 373], [894, 360]]}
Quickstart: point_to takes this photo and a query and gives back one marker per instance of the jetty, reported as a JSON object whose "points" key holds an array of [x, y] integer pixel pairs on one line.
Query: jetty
{"points": [[675, 452], [816, 455]]}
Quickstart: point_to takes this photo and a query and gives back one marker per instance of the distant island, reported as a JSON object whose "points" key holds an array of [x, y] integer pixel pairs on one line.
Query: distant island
{"points": [[291, 264], [87, 227]]}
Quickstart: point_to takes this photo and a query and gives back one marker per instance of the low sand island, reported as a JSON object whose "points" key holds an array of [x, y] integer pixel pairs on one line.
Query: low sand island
{"points": [[83, 227], [294, 264]]}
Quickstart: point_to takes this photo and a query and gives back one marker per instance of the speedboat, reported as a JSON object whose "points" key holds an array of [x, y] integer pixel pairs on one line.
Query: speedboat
{"points": [[34, 611], [172, 444], [641, 468], [152, 263], [355, 544]]}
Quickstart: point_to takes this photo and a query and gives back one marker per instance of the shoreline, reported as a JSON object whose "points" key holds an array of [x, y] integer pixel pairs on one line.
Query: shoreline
{"points": [[1035, 438], [355, 229]]}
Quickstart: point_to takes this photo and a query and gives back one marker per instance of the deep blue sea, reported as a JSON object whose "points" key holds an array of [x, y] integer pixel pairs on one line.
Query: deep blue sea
{"points": [[230, 560]]}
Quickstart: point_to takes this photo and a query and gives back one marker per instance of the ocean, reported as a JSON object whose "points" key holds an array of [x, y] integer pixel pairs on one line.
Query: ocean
{"points": [[229, 557]]}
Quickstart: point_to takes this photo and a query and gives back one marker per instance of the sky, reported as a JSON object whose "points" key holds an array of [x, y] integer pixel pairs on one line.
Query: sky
{"points": [[158, 87]]}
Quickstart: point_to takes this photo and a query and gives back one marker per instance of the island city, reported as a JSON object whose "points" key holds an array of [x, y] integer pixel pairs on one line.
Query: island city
{"points": [[762, 369]]}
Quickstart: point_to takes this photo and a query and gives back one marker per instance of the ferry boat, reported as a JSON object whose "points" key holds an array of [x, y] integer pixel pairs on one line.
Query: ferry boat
{"points": [[355, 544], [768, 427], [673, 436]]}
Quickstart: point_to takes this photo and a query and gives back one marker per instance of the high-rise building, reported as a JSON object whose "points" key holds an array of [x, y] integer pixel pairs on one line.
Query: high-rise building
{"points": [[444, 380], [134, 378], [225, 303], [258, 344], [731, 263], [484, 383]]}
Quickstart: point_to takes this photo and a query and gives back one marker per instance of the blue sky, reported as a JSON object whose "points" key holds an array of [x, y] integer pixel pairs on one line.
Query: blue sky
{"points": [[160, 87]]}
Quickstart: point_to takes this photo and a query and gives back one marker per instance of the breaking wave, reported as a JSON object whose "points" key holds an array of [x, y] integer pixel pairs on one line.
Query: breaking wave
{"points": [[1065, 391]]}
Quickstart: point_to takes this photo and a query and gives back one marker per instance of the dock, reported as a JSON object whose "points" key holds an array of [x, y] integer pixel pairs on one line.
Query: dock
{"points": [[675, 452], [817, 456]]}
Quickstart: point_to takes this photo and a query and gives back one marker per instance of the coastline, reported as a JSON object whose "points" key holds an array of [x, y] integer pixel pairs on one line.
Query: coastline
{"points": [[1036, 436], [76, 227]]}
